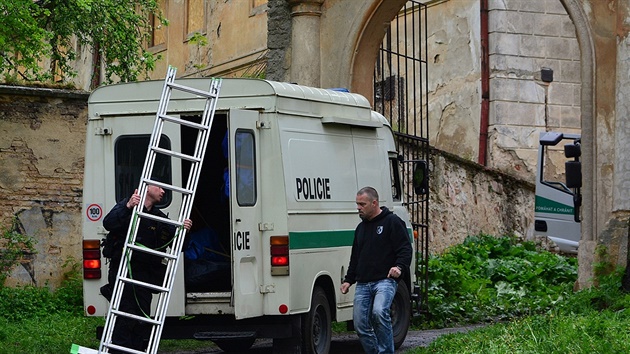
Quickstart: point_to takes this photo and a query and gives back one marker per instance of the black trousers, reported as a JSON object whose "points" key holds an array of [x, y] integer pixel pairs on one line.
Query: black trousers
{"points": [[128, 332]]}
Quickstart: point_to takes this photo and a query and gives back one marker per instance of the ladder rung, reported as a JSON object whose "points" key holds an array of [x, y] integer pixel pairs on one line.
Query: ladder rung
{"points": [[176, 154], [159, 219], [183, 122], [152, 251], [143, 284], [125, 349], [191, 90], [136, 317], [169, 187]]}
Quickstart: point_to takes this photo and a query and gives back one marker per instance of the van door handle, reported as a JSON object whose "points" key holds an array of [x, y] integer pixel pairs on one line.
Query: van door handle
{"points": [[237, 220]]}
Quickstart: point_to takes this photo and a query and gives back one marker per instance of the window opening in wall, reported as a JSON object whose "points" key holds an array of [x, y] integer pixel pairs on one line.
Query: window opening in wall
{"points": [[195, 17], [158, 29]]}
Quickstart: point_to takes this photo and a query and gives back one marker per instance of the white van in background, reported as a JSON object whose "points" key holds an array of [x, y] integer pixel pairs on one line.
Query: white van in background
{"points": [[557, 211]]}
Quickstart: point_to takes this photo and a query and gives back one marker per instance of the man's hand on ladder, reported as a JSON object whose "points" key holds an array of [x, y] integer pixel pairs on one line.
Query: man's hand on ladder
{"points": [[133, 200], [187, 224]]}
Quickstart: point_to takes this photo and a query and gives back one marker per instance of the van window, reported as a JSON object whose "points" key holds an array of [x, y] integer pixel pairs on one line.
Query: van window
{"points": [[552, 168], [245, 168], [394, 172], [130, 153]]}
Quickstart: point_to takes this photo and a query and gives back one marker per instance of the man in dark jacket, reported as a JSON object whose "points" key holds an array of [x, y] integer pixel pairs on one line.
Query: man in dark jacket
{"points": [[144, 267], [381, 252]]}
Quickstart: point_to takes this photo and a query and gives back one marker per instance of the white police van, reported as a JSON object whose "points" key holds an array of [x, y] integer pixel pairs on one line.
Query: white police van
{"points": [[274, 211]]}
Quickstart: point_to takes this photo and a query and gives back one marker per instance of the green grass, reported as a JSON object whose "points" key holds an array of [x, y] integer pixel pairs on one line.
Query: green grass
{"points": [[605, 332], [52, 333]]}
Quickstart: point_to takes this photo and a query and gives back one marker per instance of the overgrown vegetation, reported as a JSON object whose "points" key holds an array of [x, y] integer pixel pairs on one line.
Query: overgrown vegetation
{"points": [[488, 278], [14, 246], [37, 32], [37, 320], [593, 320]]}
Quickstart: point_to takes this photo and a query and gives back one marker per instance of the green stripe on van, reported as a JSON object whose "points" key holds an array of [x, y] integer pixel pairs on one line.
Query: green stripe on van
{"points": [[544, 205], [320, 239]]}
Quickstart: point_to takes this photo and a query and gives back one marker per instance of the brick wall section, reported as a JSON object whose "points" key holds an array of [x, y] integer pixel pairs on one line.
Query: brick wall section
{"points": [[42, 145]]}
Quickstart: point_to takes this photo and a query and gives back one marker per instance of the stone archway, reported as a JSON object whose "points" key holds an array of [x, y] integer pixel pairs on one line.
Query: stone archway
{"points": [[367, 46], [589, 176]]}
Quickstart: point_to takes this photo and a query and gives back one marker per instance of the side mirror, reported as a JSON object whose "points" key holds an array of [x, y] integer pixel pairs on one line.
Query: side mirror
{"points": [[421, 178], [573, 171], [572, 150]]}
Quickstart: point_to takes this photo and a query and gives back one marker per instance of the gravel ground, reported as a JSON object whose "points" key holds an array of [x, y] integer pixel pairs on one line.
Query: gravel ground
{"points": [[349, 343]]}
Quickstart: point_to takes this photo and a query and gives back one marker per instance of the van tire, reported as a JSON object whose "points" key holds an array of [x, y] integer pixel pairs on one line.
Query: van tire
{"points": [[401, 314], [317, 325]]}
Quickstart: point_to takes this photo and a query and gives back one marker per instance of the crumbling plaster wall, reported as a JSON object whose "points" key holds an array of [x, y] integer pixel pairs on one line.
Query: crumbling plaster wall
{"points": [[42, 144], [467, 199]]}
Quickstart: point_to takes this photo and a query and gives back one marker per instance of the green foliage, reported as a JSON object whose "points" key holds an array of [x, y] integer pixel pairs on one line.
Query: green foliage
{"points": [[31, 302], [50, 334], [37, 320], [33, 31], [489, 278], [13, 247], [593, 320]]}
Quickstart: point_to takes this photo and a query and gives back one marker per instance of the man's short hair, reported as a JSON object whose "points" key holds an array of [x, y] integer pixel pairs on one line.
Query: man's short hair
{"points": [[369, 191]]}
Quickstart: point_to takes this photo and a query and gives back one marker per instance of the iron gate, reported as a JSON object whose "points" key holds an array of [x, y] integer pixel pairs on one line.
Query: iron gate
{"points": [[400, 94]]}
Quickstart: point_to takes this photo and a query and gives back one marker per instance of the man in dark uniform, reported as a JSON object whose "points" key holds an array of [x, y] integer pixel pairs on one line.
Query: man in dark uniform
{"points": [[381, 251], [143, 267]]}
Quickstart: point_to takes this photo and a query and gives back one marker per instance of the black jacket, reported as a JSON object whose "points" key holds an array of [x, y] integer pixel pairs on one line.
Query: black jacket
{"points": [[151, 233], [379, 244]]}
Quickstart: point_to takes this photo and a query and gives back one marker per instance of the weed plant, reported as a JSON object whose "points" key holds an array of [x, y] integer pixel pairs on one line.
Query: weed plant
{"points": [[38, 320], [490, 278], [593, 320]]}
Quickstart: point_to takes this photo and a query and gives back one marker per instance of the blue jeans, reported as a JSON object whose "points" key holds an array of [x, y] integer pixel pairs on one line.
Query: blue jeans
{"points": [[372, 321]]}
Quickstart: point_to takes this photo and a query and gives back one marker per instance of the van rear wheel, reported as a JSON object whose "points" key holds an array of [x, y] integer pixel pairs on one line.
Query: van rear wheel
{"points": [[317, 325]]}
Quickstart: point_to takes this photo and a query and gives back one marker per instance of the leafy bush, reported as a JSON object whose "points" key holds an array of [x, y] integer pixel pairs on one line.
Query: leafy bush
{"points": [[30, 302], [593, 320], [13, 247], [489, 278]]}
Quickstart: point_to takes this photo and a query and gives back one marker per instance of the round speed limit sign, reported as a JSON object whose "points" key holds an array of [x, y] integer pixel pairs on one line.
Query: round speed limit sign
{"points": [[94, 212]]}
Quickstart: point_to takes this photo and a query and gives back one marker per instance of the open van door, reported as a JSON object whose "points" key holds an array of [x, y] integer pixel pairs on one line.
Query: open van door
{"points": [[245, 208], [128, 138]]}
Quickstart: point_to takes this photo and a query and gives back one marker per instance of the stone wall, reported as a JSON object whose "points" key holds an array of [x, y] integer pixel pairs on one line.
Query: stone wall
{"points": [[468, 199], [42, 144]]}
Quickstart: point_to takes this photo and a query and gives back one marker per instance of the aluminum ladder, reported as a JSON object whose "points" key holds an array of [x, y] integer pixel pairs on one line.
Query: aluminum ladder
{"points": [[172, 254]]}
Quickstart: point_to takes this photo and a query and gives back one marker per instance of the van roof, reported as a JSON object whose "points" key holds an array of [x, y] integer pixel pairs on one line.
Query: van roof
{"points": [[142, 98]]}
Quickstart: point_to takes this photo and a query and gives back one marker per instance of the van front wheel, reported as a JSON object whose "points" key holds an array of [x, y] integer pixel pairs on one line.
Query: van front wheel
{"points": [[317, 325], [400, 312]]}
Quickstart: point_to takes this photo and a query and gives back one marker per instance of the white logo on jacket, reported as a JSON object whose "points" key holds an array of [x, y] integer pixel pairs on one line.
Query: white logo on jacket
{"points": [[379, 230]]}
